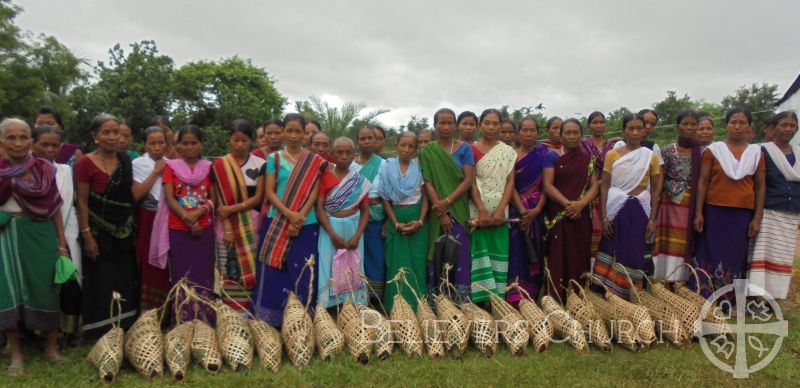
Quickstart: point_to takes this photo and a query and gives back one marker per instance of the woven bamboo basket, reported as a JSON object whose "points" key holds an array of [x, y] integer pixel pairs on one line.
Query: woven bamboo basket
{"points": [[297, 332], [456, 329], [566, 327], [619, 323], [330, 340], [106, 355], [405, 327], [540, 330], [628, 317], [483, 329], [666, 321], [513, 328], [178, 350], [144, 345], [714, 320], [382, 331], [356, 333], [687, 312], [432, 329], [235, 341], [205, 348], [584, 312], [267, 343]]}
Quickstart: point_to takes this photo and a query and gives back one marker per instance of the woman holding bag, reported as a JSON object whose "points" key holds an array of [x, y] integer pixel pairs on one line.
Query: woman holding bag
{"points": [[343, 213]]}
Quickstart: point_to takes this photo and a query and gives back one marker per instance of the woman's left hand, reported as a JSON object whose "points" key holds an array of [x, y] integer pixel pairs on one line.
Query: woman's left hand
{"points": [[651, 229], [754, 228]]}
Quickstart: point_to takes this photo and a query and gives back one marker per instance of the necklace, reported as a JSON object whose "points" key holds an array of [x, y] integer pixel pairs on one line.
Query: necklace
{"points": [[106, 168], [289, 156]]}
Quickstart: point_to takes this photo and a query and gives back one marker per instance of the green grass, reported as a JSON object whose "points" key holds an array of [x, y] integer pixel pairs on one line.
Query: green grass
{"points": [[559, 365]]}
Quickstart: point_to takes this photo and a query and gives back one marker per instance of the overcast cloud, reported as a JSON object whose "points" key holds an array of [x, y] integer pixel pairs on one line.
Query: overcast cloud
{"points": [[416, 56]]}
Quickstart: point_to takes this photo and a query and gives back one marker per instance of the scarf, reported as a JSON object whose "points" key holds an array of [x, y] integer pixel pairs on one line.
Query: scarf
{"points": [[159, 243], [491, 174], [350, 191], [299, 185], [229, 182], [394, 186], [790, 173], [372, 167], [38, 196], [439, 168], [736, 169], [553, 144], [626, 174]]}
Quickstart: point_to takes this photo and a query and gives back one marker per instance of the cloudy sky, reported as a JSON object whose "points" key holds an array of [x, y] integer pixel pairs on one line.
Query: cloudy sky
{"points": [[416, 56]]}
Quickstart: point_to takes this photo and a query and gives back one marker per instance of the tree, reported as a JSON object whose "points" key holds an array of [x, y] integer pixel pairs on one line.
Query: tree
{"points": [[415, 124], [614, 121], [339, 121], [758, 99], [35, 69], [216, 93]]}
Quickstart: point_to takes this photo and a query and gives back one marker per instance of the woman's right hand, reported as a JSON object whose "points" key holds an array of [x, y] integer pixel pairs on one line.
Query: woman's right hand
{"points": [[296, 219], [446, 223], [608, 229], [440, 207], [338, 242], [698, 222], [90, 248], [159, 167]]}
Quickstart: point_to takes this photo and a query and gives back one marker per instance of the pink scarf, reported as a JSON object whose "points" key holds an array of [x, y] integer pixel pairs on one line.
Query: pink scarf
{"points": [[159, 239]]}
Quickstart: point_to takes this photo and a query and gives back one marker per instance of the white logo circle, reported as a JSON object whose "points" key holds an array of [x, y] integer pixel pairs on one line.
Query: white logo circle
{"points": [[740, 329]]}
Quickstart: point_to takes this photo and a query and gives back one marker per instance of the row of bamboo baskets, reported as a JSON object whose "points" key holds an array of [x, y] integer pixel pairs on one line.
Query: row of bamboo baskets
{"points": [[588, 318]]}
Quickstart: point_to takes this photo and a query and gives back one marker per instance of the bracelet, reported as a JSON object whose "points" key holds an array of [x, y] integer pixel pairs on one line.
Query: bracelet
{"points": [[86, 229], [447, 199], [396, 225], [63, 250], [421, 223], [242, 206]]}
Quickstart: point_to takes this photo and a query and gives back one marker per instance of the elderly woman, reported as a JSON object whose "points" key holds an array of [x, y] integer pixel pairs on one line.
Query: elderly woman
{"points": [[31, 240]]}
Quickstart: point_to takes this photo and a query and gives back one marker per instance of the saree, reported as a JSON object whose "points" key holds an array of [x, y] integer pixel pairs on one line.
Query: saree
{"points": [[237, 266], [629, 216], [528, 184], [404, 252], [568, 240], [489, 246], [111, 222], [301, 181], [374, 244], [28, 246], [772, 253], [346, 195], [674, 241], [588, 147]]}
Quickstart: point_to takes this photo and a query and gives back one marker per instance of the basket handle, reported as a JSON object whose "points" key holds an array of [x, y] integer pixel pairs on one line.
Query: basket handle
{"points": [[522, 291], [446, 282], [116, 300], [710, 280], [310, 266], [694, 273], [550, 280], [369, 286], [579, 287], [633, 289]]}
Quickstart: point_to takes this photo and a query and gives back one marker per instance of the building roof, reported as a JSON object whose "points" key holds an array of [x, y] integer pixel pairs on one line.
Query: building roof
{"points": [[790, 92]]}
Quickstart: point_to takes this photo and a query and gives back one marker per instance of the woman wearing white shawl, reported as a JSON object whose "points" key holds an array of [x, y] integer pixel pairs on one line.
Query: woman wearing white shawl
{"points": [[773, 252], [629, 193], [730, 204]]}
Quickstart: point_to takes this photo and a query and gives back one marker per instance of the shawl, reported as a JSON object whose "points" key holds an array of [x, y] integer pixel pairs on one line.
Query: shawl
{"points": [[38, 196]]}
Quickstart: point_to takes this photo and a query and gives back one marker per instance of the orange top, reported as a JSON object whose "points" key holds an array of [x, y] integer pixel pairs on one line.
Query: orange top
{"points": [[724, 191], [655, 168]]}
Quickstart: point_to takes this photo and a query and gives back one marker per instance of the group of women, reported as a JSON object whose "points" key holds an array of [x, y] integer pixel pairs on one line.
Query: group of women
{"points": [[331, 219]]}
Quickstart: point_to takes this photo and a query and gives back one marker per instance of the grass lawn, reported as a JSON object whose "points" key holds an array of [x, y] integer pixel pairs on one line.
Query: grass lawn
{"points": [[560, 365]]}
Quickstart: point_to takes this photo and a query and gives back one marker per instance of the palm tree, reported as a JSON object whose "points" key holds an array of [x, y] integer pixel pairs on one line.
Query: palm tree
{"points": [[338, 121]]}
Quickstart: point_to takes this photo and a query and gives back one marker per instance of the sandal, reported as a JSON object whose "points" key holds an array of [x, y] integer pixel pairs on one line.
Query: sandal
{"points": [[57, 360], [15, 370]]}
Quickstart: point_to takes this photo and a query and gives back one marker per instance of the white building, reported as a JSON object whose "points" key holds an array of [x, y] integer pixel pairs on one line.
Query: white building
{"points": [[791, 101]]}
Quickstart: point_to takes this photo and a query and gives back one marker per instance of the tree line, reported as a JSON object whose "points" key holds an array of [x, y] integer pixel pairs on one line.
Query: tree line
{"points": [[137, 82]]}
